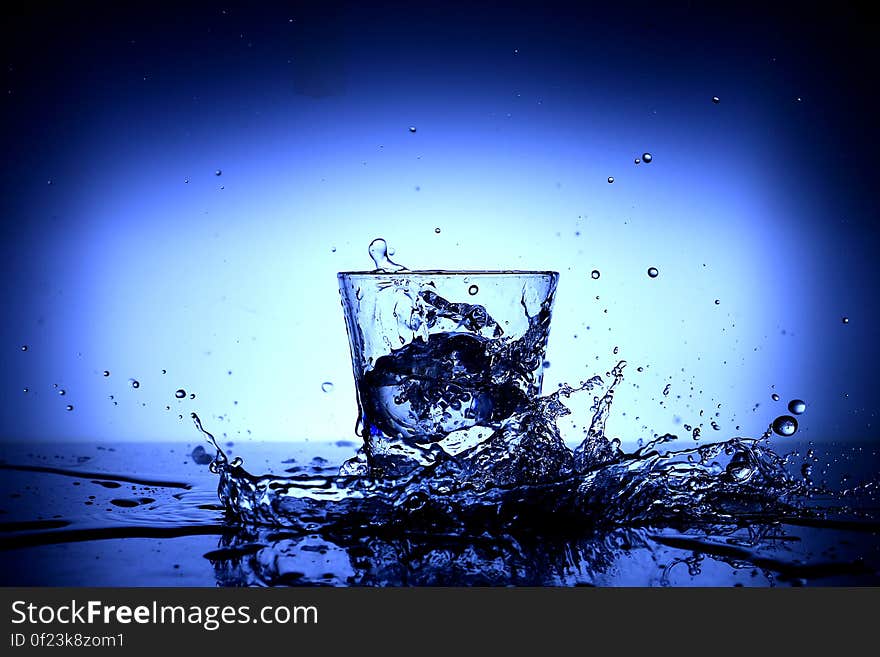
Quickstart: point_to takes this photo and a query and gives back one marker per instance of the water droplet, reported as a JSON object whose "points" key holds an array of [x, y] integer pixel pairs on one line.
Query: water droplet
{"points": [[610, 179], [653, 272], [327, 386], [637, 160], [595, 274], [845, 320], [473, 289], [24, 347], [106, 372], [26, 390], [666, 390], [135, 383], [774, 397], [378, 251], [62, 392], [647, 158], [785, 425], [716, 99], [69, 407], [180, 394], [164, 371], [218, 172], [412, 128], [437, 230], [797, 406], [717, 302], [192, 395], [186, 181], [333, 250]]}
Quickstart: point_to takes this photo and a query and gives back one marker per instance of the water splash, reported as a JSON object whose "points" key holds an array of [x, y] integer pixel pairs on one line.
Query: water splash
{"points": [[378, 251], [524, 473]]}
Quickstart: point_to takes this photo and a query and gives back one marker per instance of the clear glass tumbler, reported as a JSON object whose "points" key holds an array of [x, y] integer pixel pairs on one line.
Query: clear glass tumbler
{"points": [[438, 353]]}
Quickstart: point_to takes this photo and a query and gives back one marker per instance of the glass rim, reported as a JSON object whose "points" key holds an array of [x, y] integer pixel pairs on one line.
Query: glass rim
{"points": [[447, 272]]}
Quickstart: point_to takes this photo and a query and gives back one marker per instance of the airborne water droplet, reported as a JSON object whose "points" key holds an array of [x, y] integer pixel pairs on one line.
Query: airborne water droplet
{"points": [[180, 394], [69, 407], [473, 289], [637, 161], [797, 406], [785, 425], [62, 392], [192, 395], [327, 386], [218, 172], [135, 383], [653, 272], [647, 158], [106, 372], [412, 128], [437, 230], [774, 397], [595, 274], [610, 179], [845, 320], [716, 99], [24, 347]]}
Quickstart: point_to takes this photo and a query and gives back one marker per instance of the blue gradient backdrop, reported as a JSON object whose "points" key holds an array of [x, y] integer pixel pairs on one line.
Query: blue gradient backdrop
{"points": [[122, 250]]}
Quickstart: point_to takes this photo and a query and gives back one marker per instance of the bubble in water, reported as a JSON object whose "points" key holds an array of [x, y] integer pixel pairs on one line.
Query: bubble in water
{"points": [[716, 99], [378, 251], [437, 230], [24, 347], [785, 425], [135, 383], [69, 407], [647, 158], [610, 179], [653, 272], [797, 406], [327, 386], [218, 172], [774, 397], [845, 320], [595, 274], [473, 289], [106, 372], [412, 128], [180, 394]]}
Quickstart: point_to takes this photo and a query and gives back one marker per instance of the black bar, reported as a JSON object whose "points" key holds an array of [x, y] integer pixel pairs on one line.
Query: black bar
{"points": [[411, 621]]}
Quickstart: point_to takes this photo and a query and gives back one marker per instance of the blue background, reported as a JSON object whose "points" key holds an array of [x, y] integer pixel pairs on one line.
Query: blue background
{"points": [[111, 260]]}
